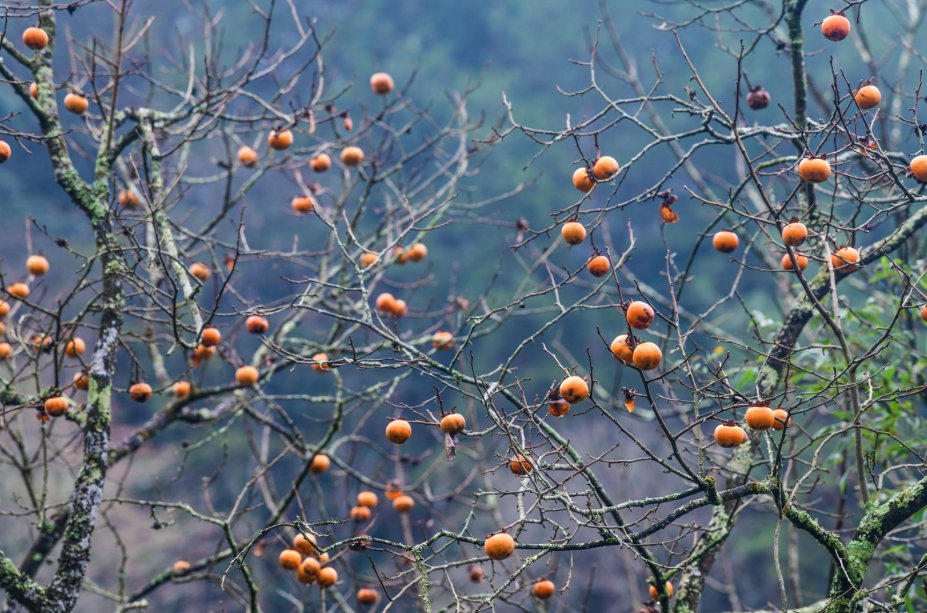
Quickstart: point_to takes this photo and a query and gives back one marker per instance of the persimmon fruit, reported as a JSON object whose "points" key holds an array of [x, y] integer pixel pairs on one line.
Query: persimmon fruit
{"points": [[398, 431]]}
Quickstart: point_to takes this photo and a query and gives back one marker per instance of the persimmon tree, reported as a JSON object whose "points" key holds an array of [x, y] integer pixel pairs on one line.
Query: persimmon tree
{"points": [[361, 436]]}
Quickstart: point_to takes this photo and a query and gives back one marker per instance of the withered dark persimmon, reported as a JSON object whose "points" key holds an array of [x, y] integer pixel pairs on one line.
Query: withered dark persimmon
{"points": [[520, 465]]}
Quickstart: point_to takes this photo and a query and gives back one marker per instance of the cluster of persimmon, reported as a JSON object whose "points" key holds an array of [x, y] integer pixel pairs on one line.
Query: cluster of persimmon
{"points": [[843, 260], [627, 349], [308, 561], [759, 418]]}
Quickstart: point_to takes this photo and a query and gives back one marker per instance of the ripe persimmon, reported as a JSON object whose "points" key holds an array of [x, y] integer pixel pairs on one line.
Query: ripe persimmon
{"points": [[442, 340], [386, 303], [730, 434], [129, 199], [868, 96], [56, 406], [639, 315], [647, 356], [6, 350], [668, 588], [35, 38], [305, 543], [302, 205], [180, 567], [200, 271], [417, 252], [520, 465], [782, 419], [794, 233], [499, 546], [621, 350], [37, 265], [605, 168], [202, 353], [453, 423], [392, 491], [182, 389], [140, 392], [919, 168], [307, 570], [34, 90], [381, 83], [725, 241], [280, 140], [574, 389], [367, 499], [787, 262], [210, 336], [247, 156], [18, 290], [582, 181], [401, 310], [81, 381], [835, 28], [247, 375], [599, 266], [544, 589], [321, 162], [368, 259], [5, 151], [76, 104], [814, 170], [320, 463], [924, 313], [402, 504], [367, 596], [845, 259], [327, 577], [573, 232], [255, 324], [289, 559], [352, 156], [398, 431], [4, 308], [75, 347], [320, 363], [760, 418]]}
